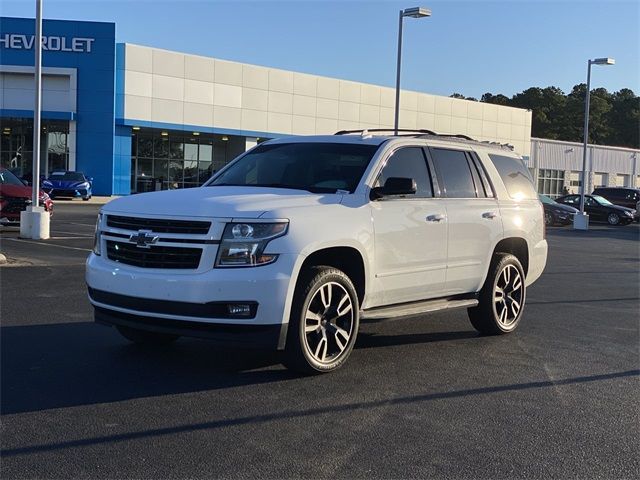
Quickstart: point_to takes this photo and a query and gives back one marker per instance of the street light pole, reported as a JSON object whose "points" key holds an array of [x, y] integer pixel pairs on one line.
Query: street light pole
{"points": [[37, 107], [34, 221], [581, 220], [415, 12], [399, 64]]}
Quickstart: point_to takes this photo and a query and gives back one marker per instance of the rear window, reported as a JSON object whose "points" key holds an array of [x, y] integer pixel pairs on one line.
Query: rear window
{"points": [[515, 176]]}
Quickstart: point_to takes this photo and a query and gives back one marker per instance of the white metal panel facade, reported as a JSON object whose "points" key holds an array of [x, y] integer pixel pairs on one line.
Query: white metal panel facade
{"points": [[173, 88]]}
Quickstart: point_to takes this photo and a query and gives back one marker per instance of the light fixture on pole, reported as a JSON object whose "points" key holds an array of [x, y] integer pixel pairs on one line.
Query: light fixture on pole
{"points": [[581, 220], [415, 12], [34, 222]]}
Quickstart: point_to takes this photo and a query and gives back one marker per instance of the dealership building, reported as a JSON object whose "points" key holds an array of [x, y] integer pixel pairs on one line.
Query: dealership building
{"points": [[138, 118]]}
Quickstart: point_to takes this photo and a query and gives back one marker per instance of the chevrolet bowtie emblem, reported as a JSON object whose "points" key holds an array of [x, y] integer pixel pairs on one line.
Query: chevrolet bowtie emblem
{"points": [[143, 238]]}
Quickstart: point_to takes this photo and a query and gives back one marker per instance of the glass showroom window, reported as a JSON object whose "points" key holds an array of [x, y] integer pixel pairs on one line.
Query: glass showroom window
{"points": [[551, 182], [163, 162]]}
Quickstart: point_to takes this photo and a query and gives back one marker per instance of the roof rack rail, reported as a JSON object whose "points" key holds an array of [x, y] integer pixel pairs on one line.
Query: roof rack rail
{"points": [[393, 130], [403, 132]]}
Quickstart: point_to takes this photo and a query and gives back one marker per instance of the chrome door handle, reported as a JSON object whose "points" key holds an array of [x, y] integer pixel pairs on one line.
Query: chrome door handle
{"points": [[489, 215], [436, 218]]}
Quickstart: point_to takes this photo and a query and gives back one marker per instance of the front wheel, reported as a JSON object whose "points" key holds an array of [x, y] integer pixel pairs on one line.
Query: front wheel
{"points": [[144, 337], [324, 321], [548, 219], [502, 297], [613, 219]]}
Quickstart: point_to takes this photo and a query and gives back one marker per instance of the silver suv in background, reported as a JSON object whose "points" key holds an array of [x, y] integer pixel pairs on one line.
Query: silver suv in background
{"points": [[299, 239]]}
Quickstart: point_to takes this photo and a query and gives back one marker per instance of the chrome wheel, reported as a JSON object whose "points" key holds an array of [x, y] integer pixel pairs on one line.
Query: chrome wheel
{"points": [[548, 219], [508, 296], [328, 323], [613, 219]]}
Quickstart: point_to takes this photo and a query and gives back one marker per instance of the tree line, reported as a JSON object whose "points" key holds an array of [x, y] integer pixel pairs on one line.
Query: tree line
{"points": [[614, 118]]}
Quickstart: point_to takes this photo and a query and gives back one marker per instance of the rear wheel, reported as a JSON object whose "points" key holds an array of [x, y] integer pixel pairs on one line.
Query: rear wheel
{"points": [[324, 321], [502, 297], [144, 337]]}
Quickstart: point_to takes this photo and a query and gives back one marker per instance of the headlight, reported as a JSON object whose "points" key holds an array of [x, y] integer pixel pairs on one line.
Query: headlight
{"points": [[243, 244], [628, 213], [96, 236]]}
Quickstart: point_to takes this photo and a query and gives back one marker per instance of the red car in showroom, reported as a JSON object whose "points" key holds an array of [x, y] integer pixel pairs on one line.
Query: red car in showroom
{"points": [[15, 197]]}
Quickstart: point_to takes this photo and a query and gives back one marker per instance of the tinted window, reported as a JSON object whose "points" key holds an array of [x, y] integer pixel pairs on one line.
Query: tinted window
{"points": [[454, 170], [408, 163], [515, 176], [316, 167]]}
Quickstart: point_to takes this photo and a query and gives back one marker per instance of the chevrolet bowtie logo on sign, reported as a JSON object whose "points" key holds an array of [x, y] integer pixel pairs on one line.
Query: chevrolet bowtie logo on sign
{"points": [[143, 239]]}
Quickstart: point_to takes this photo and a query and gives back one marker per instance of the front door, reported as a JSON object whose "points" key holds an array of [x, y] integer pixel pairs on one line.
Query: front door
{"points": [[410, 233]]}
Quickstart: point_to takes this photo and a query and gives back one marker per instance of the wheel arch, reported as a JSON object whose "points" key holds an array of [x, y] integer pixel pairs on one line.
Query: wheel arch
{"points": [[516, 246], [346, 258]]}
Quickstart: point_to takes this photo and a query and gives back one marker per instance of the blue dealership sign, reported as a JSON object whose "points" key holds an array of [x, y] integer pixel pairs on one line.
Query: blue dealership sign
{"points": [[89, 48]]}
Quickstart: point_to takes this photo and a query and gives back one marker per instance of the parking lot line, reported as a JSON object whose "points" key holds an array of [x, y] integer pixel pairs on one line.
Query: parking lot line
{"points": [[49, 244]]}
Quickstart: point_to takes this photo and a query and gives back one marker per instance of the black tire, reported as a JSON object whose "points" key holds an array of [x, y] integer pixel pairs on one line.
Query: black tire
{"points": [[487, 317], [549, 220], [613, 219], [332, 349], [144, 337], [86, 199]]}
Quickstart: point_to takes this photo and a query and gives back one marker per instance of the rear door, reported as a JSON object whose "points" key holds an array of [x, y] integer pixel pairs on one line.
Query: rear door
{"points": [[473, 216], [410, 233]]}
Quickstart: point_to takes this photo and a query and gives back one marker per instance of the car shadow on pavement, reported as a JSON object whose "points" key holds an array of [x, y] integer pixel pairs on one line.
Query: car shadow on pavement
{"points": [[81, 363], [72, 364], [313, 412]]}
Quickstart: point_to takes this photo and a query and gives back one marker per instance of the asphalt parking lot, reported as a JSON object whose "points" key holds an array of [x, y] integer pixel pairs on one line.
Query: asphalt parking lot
{"points": [[424, 397]]}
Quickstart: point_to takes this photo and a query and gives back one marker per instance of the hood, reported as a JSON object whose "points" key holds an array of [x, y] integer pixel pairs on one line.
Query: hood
{"points": [[15, 191], [63, 183], [564, 208], [225, 202], [620, 208]]}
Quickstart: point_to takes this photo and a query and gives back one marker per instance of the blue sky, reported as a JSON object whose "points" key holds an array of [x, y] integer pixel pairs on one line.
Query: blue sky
{"points": [[469, 47]]}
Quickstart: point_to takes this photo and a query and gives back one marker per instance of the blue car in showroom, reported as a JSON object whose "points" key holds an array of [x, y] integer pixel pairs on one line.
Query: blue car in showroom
{"points": [[68, 184]]}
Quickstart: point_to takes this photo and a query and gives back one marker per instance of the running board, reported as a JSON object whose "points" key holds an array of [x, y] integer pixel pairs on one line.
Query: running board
{"points": [[417, 308]]}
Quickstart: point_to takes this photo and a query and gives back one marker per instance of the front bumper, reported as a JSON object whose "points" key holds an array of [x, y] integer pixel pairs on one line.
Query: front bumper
{"points": [[181, 300], [250, 336], [69, 192]]}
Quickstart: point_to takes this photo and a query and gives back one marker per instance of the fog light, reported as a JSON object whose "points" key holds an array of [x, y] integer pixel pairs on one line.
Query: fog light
{"points": [[239, 309]]}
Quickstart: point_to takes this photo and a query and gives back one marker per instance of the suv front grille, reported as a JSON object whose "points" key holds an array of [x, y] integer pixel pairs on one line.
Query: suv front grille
{"points": [[158, 225], [155, 256], [16, 205]]}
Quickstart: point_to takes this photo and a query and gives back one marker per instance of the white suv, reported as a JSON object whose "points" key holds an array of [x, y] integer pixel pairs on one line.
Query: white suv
{"points": [[297, 240]]}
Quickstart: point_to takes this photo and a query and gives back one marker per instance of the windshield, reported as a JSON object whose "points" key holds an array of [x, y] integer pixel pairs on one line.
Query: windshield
{"points": [[67, 176], [315, 167], [547, 200], [601, 200], [8, 178]]}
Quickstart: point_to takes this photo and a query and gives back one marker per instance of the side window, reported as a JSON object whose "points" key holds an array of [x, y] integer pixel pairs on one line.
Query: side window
{"points": [[453, 167], [572, 199], [515, 176], [488, 189], [408, 162], [588, 201]]}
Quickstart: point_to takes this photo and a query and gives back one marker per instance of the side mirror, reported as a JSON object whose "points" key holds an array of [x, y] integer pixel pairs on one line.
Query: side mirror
{"points": [[90, 179], [395, 186], [26, 184]]}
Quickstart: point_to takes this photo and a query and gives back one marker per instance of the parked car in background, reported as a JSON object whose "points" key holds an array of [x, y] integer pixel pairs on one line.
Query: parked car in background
{"points": [[600, 209], [556, 213], [15, 197], [68, 184], [623, 196]]}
